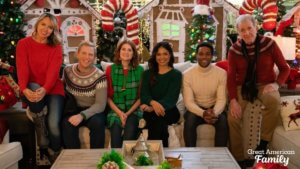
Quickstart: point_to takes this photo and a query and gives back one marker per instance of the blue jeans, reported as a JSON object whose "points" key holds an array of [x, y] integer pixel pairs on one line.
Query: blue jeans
{"points": [[96, 125], [55, 105], [131, 131], [190, 126]]}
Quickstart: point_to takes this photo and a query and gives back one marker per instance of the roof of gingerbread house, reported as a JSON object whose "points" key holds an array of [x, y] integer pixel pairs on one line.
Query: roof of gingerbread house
{"points": [[61, 4], [148, 7]]}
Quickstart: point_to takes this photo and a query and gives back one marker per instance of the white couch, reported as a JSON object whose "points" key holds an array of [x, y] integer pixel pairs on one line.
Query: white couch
{"points": [[205, 139], [10, 153], [287, 140]]}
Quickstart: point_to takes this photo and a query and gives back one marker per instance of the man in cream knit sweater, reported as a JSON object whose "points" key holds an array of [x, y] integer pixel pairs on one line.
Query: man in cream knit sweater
{"points": [[204, 95]]}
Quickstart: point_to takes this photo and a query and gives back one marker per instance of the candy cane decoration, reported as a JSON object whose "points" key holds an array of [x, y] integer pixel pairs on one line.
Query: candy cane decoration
{"points": [[107, 15], [269, 8]]}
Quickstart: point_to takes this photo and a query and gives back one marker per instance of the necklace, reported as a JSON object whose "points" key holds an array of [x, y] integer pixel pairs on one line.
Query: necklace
{"points": [[124, 82]]}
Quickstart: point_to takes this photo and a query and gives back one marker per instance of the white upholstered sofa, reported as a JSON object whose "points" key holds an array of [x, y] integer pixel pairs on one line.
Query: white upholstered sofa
{"points": [[205, 139], [10, 153], [282, 140], [288, 141]]}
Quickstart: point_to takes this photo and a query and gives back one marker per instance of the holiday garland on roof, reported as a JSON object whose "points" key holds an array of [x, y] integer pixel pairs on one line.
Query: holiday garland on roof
{"points": [[11, 23]]}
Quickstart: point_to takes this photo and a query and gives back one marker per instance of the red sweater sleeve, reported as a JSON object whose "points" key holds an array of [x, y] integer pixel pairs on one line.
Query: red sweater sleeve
{"points": [[53, 69], [231, 76], [282, 65], [110, 90], [22, 65]]}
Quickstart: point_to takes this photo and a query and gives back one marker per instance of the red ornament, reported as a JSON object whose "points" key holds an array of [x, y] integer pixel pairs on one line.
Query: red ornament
{"points": [[261, 165], [74, 3], [40, 3], [203, 2]]}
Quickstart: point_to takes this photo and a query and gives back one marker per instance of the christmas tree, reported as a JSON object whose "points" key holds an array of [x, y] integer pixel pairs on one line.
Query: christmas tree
{"points": [[107, 41], [11, 23], [200, 30]]}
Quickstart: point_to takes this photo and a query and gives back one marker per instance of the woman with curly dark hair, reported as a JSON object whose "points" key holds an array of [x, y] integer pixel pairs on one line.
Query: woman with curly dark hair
{"points": [[159, 92]]}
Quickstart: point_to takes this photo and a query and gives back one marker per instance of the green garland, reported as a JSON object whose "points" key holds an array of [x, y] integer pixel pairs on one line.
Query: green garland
{"points": [[142, 160], [164, 165], [111, 156]]}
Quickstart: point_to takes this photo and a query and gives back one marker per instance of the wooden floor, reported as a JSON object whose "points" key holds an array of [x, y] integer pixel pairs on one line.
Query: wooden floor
{"points": [[193, 158]]}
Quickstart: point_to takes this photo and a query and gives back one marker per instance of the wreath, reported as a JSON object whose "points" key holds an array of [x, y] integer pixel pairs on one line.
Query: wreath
{"points": [[131, 14]]}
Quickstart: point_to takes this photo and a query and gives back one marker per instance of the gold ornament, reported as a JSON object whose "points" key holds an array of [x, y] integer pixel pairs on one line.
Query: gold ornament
{"points": [[110, 165]]}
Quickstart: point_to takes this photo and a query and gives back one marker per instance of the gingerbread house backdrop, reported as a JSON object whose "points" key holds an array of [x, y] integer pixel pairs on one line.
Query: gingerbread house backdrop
{"points": [[170, 18], [77, 20]]}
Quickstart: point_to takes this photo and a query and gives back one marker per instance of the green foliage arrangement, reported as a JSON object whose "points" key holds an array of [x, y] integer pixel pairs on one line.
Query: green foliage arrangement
{"points": [[142, 160], [164, 165], [111, 156]]}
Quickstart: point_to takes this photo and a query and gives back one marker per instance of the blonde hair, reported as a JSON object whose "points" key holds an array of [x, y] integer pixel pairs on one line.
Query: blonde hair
{"points": [[86, 43], [54, 38]]}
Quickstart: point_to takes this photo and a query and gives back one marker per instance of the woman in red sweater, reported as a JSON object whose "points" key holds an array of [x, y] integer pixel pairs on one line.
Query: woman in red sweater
{"points": [[39, 58]]}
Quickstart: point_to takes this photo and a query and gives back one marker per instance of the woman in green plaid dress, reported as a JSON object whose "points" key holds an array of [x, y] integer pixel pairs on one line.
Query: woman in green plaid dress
{"points": [[123, 80]]}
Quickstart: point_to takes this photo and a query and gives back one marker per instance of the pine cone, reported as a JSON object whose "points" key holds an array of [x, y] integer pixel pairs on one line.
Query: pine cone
{"points": [[110, 165]]}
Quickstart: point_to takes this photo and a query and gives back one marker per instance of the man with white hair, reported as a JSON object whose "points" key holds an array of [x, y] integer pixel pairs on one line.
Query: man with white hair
{"points": [[251, 76]]}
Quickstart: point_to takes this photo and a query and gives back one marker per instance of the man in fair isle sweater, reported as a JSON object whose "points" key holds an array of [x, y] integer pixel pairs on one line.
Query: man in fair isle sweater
{"points": [[86, 90], [204, 95]]}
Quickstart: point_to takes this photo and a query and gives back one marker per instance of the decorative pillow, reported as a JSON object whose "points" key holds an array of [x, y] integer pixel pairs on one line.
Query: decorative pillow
{"points": [[174, 140], [223, 64], [183, 66], [179, 66], [104, 65], [290, 112], [181, 107], [145, 65]]}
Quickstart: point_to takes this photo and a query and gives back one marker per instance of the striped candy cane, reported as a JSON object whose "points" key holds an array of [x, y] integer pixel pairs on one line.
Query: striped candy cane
{"points": [[131, 13], [269, 8]]}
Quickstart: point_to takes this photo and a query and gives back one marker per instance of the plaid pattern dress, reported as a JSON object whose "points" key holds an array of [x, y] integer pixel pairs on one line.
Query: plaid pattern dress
{"points": [[125, 91]]}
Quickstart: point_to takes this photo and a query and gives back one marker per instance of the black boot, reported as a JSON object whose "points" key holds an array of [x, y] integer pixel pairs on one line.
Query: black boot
{"points": [[53, 155], [242, 164], [262, 147], [40, 128]]}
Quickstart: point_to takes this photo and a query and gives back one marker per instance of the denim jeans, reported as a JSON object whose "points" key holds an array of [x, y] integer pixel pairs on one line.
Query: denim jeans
{"points": [[96, 125], [55, 105], [131, 131], [190, 126]]}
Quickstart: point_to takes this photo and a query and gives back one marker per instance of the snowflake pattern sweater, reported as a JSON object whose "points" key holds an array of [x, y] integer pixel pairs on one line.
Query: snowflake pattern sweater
{"points": [[89, 91]]}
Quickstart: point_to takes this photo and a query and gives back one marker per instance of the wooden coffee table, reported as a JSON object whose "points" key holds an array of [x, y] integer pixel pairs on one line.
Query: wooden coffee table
{"points": [[193, 158]]}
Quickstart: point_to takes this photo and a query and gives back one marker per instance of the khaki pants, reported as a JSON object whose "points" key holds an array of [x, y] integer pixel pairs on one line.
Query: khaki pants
{"points": [[270, 114]]}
